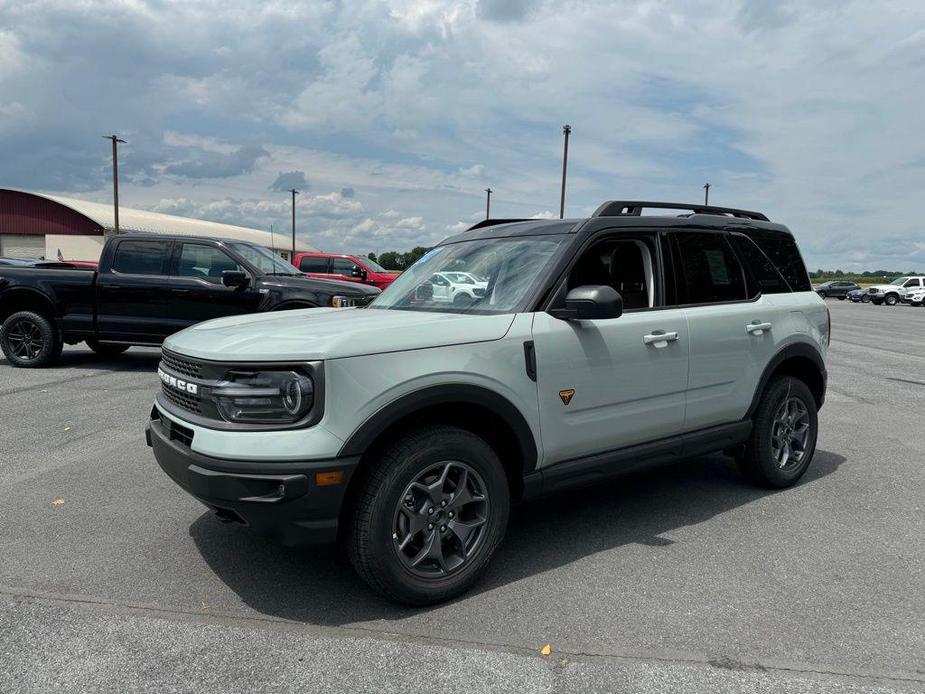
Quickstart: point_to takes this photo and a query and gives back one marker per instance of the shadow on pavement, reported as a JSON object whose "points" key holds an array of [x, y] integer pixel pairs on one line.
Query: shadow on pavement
{"points": [[319, 586], [134, 360]]}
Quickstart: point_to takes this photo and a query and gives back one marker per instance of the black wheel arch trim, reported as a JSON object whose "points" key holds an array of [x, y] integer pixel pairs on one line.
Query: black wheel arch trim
{"points": [[796, 349], [419, 400]]}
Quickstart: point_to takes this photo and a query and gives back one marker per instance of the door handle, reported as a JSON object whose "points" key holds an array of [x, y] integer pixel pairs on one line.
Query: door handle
{"points": [[659, 338], [181, 291], [757, 328]]}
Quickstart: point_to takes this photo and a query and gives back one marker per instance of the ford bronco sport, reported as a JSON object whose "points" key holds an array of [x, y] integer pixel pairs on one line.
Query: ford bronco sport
{"points": [[406, 429]]}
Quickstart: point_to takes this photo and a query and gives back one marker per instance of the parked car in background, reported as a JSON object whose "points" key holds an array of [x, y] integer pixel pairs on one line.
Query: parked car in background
{"points": [[460, 288], [894, 292], [406, 430], [42, 263], [147, 288], [859, 295], [917, 298], [837, 289], [346, 268]]}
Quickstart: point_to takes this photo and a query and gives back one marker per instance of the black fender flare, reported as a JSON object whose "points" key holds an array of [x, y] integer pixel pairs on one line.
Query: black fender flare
{"points": [[796, 349], [362, 437]]}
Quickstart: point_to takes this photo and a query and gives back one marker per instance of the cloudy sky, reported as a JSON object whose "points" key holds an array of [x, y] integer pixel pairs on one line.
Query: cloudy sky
{"points": [[392, 117]]}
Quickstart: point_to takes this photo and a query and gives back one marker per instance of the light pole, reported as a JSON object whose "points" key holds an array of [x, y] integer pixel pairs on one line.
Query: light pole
{"points": [[115, 177], [294, 193], [488, 203], [706, 193], [566, 130]]}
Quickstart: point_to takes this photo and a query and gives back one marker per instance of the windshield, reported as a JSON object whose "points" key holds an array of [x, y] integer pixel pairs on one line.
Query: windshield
{"points": [[264, 260], [511, 267], [899, 280], [372, 264]]}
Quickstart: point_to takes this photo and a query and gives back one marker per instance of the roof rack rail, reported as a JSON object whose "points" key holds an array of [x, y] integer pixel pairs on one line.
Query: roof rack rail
{"points": [[634, 208], [492, 222]]}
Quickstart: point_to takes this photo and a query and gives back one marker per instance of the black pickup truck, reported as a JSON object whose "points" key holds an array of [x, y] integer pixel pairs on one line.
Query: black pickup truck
{"points": [[148, 287]]}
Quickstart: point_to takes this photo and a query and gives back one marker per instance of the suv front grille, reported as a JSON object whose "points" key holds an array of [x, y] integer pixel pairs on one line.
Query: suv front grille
{"points": [[181, 399], [180, 365]]}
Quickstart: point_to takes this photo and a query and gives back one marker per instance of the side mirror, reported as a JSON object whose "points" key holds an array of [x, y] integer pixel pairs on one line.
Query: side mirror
{"points": [[234, 278], [357, 271], [590, 302]]}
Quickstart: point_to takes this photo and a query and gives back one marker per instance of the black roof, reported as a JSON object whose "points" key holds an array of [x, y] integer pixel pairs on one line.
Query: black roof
{"points": [[620, 213]]}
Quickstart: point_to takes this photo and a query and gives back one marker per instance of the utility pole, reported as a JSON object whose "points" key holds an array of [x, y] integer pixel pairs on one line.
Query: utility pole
{"points": [[115, 177], [294, 193], [566, 130], [488, 203], [706, 193]]}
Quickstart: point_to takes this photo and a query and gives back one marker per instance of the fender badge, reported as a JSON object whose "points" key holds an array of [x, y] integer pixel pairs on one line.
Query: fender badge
{"points": [[566, 395]]}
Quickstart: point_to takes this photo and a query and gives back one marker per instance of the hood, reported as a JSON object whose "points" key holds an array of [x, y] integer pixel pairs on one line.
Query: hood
{"points": [[884, 287], [327, 333], [315, 283]]}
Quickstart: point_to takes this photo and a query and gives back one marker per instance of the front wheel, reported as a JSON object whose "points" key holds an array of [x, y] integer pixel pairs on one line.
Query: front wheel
{"points": [[106, 349], [891, 299], [783, 437], [841, 298], [428, 516], [30, 340], [865, 299]]}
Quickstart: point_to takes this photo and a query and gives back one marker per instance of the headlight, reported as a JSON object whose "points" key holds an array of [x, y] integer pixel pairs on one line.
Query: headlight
{"points": [[264, 397]]}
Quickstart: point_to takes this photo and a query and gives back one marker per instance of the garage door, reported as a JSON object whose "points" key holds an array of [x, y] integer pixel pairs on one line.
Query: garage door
{"points": [[14, 246]]}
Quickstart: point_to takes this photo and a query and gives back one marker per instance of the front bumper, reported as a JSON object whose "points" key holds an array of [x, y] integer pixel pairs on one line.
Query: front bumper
{"points": [[278, 499]]}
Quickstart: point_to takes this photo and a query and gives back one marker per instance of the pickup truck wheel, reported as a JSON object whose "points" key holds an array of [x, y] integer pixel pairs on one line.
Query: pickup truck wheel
{"points": [[783, 437], [428, 516], [30, 340], [106, 349], [891, 299]]}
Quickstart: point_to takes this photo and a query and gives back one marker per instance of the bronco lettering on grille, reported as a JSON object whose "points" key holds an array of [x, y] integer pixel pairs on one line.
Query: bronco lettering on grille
{"points": [[178, 383]]}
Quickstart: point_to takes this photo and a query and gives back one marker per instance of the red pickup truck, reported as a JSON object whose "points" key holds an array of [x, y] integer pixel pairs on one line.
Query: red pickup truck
{"points": [[347, 268]]}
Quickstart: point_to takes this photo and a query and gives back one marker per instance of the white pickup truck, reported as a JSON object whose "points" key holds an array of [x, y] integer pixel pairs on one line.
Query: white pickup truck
{"points": [[897, 290]]}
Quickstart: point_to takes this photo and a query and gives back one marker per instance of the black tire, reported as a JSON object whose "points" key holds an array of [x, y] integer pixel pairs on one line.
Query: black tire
{"points": [[374, 519], [758, 463], [865, 299], [822, 295], [462, 299], [891, 299], [876, 302], [106, 349], [841, 298], [30, 340]]}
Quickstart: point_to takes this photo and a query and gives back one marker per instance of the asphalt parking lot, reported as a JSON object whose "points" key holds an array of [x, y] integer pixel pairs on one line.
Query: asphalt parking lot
{"points": [[681, 579]]}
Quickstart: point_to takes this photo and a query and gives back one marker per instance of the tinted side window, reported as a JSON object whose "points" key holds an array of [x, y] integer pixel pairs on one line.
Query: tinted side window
{"points": [[204, 262], [761, 269], [313, 263], [140, 257], [783, 252], [342, 266], [708, 270]]}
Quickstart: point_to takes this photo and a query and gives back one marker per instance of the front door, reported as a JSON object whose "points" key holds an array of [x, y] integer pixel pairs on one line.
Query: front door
{"points": [[132, 295], [607, 384], [196, 289]]}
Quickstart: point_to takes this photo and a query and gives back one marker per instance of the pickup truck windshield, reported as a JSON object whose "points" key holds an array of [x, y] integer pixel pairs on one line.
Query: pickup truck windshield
{"points": [[511, 267], [264, 260], [899, 280]]}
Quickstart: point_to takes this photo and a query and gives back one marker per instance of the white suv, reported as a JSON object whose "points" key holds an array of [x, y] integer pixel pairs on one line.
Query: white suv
{"points": [[896, 291], [406, 430]]}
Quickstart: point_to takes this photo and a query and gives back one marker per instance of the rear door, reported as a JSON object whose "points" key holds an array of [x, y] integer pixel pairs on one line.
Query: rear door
{"points": [[132, 296], [315, 265], [196, 289], [343, 268], [732, 326]]}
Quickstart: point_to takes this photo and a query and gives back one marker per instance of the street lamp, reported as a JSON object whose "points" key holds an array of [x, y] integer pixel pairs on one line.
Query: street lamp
{"points": [[488, 203], [706, 193], [294, 193], [566, 130], [115, 177]]}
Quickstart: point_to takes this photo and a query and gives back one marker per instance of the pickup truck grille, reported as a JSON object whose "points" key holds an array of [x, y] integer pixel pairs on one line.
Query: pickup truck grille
{"points": [[180, 365], [181, 399]]}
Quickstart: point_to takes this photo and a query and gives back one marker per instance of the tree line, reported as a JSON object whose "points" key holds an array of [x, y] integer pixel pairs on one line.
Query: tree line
{"points": [[867, 275], [396, 260]]}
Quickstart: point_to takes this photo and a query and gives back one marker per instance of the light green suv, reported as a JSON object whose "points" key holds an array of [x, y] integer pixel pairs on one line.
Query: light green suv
{"points": [[405, 430]]}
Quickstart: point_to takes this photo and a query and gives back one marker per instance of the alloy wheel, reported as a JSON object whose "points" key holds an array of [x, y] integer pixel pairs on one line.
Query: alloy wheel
{"points": [[25, 339], [790, 433], [440, 519]]}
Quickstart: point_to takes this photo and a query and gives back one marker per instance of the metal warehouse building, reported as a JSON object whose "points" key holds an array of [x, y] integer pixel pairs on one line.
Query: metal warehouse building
{"points": [[39, 225]]}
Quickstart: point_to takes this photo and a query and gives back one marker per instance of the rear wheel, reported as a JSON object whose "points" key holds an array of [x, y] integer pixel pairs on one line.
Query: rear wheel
{"points": [[783, 437], [30, 340], [865, 299], [106, 349], [428, 516]]}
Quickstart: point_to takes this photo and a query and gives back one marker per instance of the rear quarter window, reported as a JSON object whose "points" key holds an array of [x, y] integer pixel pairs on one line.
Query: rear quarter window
{"points": [[782, 250], [763, 276]]}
